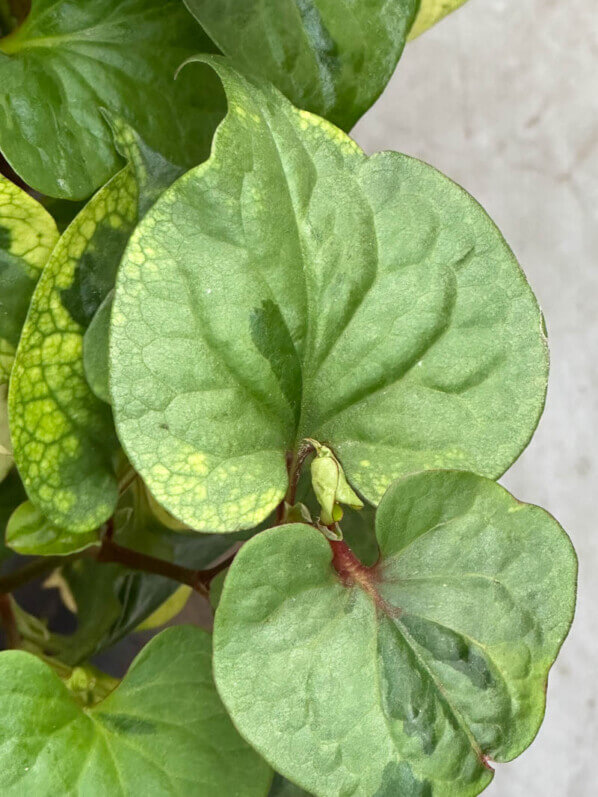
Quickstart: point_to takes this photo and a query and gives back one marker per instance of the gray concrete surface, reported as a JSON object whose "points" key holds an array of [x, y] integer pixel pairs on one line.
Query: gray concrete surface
{"points": [[503, 97]]}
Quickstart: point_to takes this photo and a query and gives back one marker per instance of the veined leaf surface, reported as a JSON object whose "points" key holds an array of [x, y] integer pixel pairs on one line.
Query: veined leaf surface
{"points": [[72, 58], [63, 435], [293, 288], [163, 730], [27, 236], [406, 678], [329, 57]]}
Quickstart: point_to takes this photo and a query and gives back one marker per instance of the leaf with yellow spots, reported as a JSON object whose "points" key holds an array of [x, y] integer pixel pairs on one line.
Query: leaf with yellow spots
{"points": [[27, 236], [430, 12], [329, 57], [409, 677], [71, 58], [63, 436], [292, 287]]}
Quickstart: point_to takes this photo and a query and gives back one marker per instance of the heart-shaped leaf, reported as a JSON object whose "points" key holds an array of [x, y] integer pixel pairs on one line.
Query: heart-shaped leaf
{"points": [[430, 12], [293, 288], [71, 58], [163, 730], [405, 678], [327, 56], [63, 436]]}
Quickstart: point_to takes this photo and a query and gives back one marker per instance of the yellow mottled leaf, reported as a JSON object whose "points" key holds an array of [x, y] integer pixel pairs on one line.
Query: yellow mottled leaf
{"points": [[431, 12]]}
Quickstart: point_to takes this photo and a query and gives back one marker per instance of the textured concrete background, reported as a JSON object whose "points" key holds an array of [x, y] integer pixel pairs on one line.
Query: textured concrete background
{"points": [[503, 97]]}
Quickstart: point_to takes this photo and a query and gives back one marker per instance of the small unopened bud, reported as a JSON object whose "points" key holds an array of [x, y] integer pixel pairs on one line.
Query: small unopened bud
{"points": [[330, 485]]}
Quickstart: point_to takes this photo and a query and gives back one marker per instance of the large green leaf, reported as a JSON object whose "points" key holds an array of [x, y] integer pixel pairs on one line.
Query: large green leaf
{"points": [[27, 236], [63, 436], [163, 730], [292, 288], [431, 12], [71, 58], [408, 677], [327, 56]]}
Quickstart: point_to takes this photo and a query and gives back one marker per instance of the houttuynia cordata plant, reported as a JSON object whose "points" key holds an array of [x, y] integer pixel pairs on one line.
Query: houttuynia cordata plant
{"points": [[242, 358]]}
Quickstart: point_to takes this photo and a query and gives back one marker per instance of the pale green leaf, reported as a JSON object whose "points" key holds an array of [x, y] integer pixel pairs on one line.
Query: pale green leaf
{"points": [[63, 436], [70, 59], [31, 534], [430, 12], [329, 57], [162, 731], [293, 288], [405, 678], [27, 236]]}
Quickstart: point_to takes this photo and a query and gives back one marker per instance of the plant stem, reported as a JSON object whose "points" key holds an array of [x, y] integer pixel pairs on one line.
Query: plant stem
{"points": [[113, 552], [9, 623], [295, 464]]}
